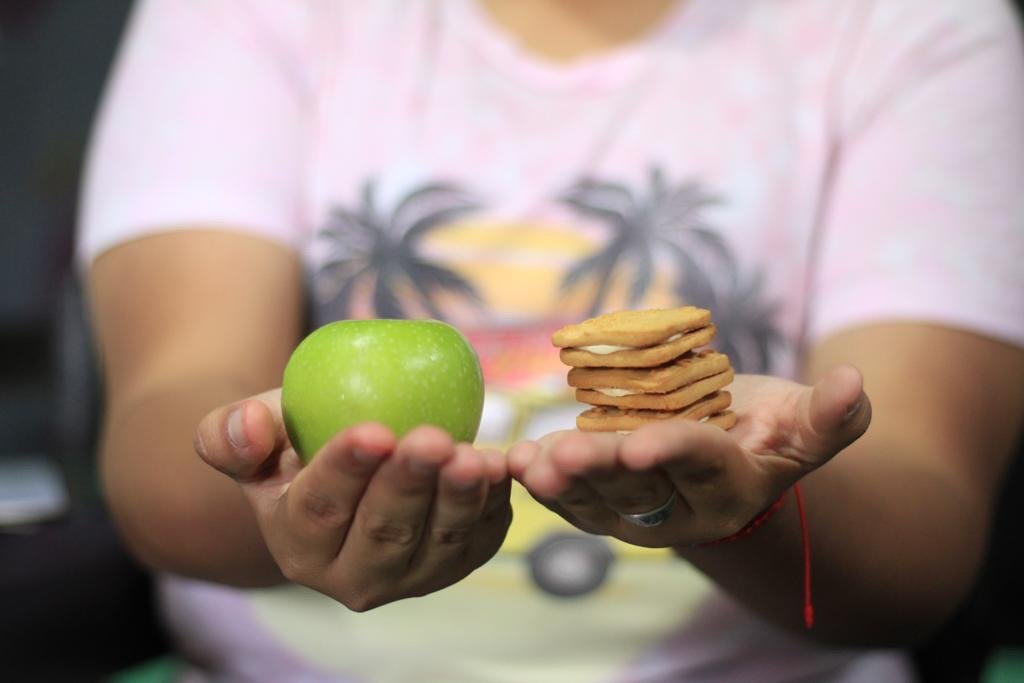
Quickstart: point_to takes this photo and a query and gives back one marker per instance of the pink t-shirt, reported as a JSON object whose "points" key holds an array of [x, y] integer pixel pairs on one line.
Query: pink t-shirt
{"points": [[797, 166]]}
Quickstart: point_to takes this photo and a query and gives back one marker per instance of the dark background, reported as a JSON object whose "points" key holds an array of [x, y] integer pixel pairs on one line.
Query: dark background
{"points": [[73, 606]]}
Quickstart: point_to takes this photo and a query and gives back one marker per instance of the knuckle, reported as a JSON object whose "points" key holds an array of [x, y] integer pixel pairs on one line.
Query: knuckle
{"points": [[324, 510], [390, 532], [705, 474], [452, 536]]}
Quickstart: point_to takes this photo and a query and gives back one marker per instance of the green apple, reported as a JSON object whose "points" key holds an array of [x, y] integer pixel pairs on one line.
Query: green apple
{"points": [[401, 373]]}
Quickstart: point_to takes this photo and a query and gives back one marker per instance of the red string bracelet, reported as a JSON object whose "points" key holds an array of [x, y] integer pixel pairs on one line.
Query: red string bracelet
{"points": [[804, 539], [752, 525]]}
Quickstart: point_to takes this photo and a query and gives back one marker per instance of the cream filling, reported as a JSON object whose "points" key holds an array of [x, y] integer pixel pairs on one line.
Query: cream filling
{"points": [[605, 349], [617, 392]]}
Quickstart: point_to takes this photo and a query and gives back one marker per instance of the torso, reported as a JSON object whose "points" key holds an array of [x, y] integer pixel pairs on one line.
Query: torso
{"points": [[530, 193]]}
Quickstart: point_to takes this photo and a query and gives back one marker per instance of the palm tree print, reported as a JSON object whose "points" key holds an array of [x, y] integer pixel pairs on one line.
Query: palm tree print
{"points": [[664, 220], [747, 331], [373, 246], [669, 220]]}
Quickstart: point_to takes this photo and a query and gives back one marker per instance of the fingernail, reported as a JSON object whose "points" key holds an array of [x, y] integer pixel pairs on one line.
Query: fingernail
{"points": [[236, 430], [197, 443], [365, 457], [853, 409]]}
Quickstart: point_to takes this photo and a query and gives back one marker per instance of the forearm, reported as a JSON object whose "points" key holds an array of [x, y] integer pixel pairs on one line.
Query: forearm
{"points": [[175, 512], [895, 545]]}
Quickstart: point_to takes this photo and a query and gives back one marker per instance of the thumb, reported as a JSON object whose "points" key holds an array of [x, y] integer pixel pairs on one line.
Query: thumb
{"points": [[239, 439], [836, 412]]}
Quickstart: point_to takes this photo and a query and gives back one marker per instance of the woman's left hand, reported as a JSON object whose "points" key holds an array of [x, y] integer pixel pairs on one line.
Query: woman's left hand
{"points": [[719, 480]]}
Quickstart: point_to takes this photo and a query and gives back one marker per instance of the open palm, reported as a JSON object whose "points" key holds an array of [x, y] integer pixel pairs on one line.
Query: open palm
{"points": [[721, 480], [372, 518]]}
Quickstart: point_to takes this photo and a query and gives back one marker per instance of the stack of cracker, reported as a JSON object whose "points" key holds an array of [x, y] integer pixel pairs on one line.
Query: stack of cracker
{"points": [[635, 367]]}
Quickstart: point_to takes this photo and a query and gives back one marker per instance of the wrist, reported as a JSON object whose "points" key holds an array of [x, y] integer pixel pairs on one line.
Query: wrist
{"points": [[751, 526], [760, 520]]}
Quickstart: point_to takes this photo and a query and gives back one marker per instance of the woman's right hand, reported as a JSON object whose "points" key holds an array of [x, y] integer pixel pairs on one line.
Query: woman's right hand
{"points": [[372, 518]]}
